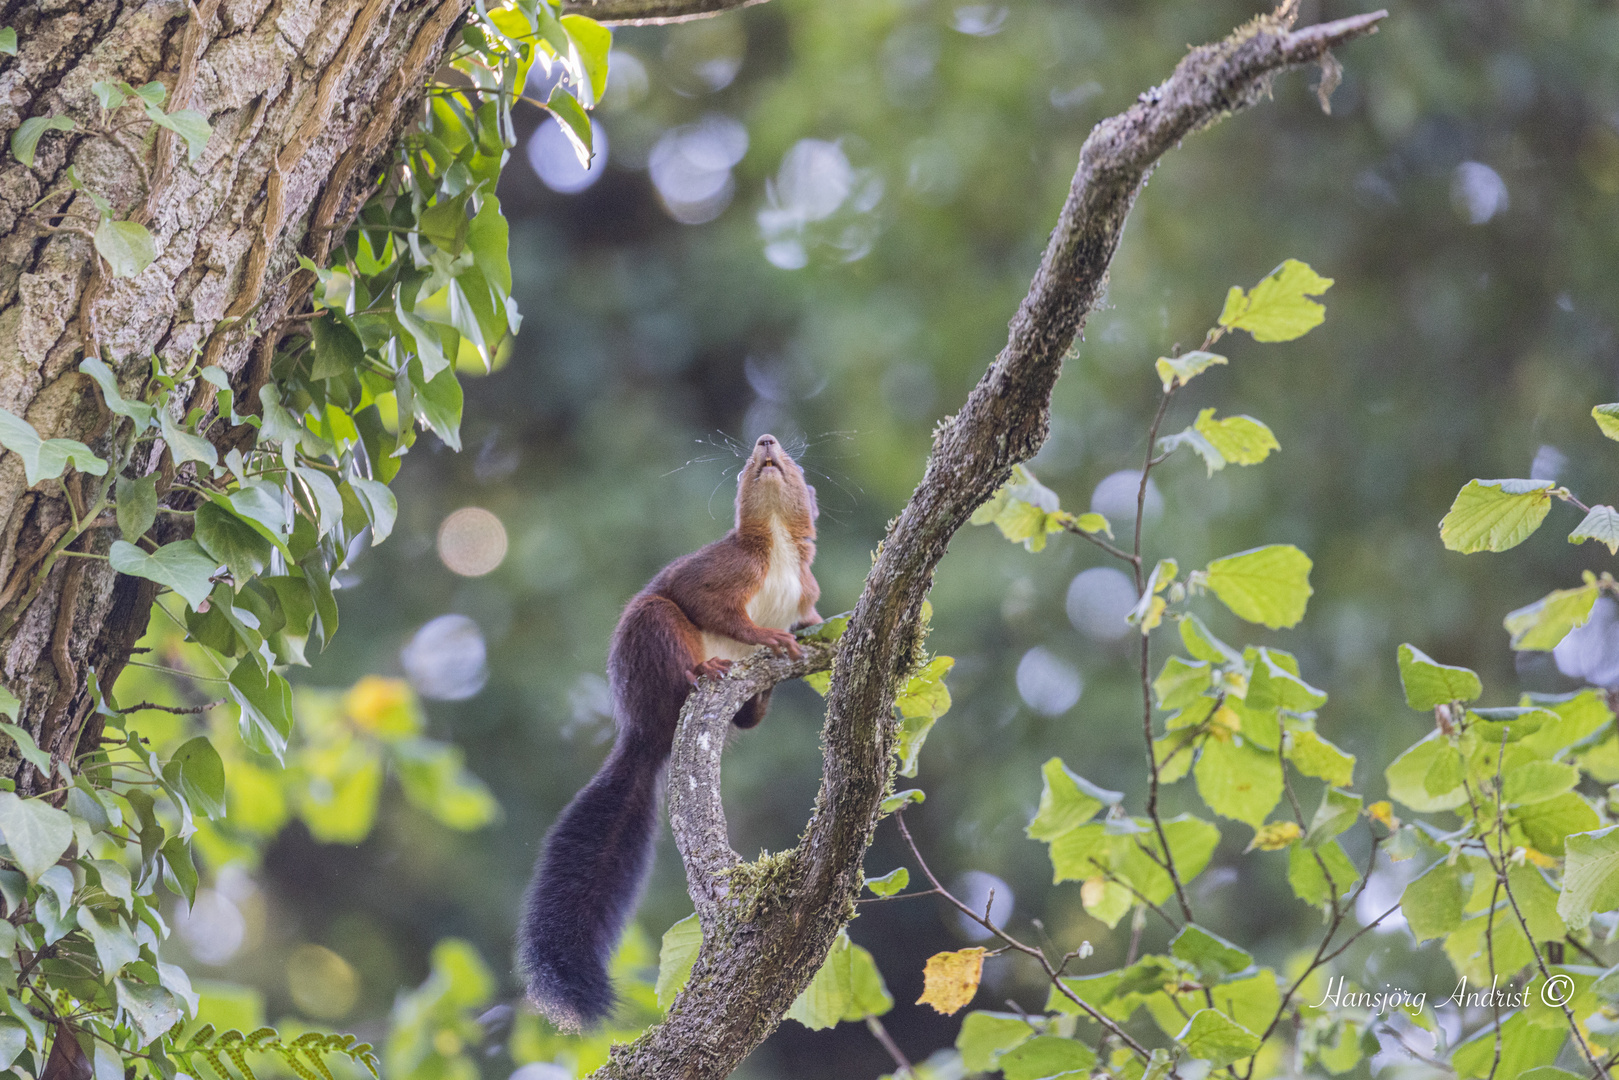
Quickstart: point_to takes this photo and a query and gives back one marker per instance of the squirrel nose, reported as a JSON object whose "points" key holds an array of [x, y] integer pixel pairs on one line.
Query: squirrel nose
{"points": [[767, 440]]}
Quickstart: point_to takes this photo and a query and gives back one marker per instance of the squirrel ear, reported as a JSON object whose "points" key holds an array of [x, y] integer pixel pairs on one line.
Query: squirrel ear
{"points": [[815, 507]]}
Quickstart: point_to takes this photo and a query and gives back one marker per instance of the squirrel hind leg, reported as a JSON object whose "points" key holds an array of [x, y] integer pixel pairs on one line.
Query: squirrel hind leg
{"points": [[753, 711]]}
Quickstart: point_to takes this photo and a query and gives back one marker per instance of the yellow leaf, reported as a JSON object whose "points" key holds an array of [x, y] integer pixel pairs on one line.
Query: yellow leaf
{"points": [[1093, 891], [1226, 717], [1382, 812], [1539, 858], [951, 979], [1275, 836], [384, 707]]}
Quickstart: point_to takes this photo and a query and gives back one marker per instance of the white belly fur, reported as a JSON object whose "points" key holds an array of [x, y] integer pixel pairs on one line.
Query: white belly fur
{"points": [[775, 604]]}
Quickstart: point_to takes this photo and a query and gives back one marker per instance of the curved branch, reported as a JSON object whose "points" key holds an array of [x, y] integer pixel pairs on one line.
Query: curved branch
{"points": [[652, 12], [767, 935]]}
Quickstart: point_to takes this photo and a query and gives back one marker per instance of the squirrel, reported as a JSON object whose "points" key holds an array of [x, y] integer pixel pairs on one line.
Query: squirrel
{"points": [[699, 614]]}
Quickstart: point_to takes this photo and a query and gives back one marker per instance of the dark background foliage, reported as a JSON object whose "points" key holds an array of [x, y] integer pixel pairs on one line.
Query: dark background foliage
{"points": [[1462, 194]]}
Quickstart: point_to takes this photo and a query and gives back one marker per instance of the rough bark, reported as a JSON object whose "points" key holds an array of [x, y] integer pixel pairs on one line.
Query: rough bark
{"points": [[305, 97], [767, 926]]}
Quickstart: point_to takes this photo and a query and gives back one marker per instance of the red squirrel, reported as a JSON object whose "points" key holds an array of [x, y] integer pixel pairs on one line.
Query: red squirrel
{"points": [[700, 613]]}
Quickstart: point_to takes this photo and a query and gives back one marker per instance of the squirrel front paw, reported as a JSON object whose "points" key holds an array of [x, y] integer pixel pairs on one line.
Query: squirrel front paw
{"points": [[782, 641]]}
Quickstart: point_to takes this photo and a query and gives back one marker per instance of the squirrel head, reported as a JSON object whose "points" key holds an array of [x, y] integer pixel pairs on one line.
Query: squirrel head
{"points": [[771, 485]]}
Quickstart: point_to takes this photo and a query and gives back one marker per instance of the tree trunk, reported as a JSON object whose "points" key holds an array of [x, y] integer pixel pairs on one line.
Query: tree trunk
{"points": [[306, 97]]}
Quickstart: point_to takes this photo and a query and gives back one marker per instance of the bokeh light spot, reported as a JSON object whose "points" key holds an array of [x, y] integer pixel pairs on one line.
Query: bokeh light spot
{"points": [[446, 659], [323, 984], [471, 542], [556, 163], [1098, 601], [1048, 684]]}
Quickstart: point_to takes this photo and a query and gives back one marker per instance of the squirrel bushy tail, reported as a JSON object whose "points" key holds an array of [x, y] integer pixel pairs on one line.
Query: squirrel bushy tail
{"points": [[596, 860]]}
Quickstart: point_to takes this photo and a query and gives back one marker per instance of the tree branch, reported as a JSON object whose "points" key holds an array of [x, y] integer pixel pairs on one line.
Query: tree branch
{"points": [[652, 12], [767, 926]]}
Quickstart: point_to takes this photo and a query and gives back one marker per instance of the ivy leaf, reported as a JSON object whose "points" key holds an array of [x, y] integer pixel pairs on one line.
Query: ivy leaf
{"points": [[182, 566], [45, 459], [1602, 525], [126, 245], [36, 832], [1067, 801], [890, 883], [1429, 683], [381, 507], [950, 980], [196, 769], [1176, 371], [115, 945], [151, 1009], [26, 138], [265, 701], [574, 122], [230, 540], [438, 403], [1278, 308], [8, 46], [189, 124], [185, 445], [1216, 1038], [136, 506], [27, 748], [1538, 627], [848, 987], [1494, 515], [1267, 585], [676, 958], [1607, 418], [1590, 876], [138, 411], [593, 40]]}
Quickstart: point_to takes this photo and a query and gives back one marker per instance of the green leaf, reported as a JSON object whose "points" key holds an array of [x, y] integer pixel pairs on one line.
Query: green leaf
{"points": [[126, 245], [152, 93], [185, 445], [1176, 371], [230, 540], [1275, 684], [189, 124], [1338, 811], [1216, 1038], [985, 1036], [265, 701], [1537, 781], [1607, 418], [593, 41], [1236, 440], [1213, 956], [429, 350], [1047, 1056], [179, 872], [890, 883], [678, 954], [1305, 875], [901, 799], [196, 769], [1278, 309], [151, 1009], [26, 138], [381, 506], [1238, 781], [848, 987], [9, 703], [1408, 776], [573, 121], [338, 350], [36, 832], [1546, 824], [1203, 645], [138, 411], [1181, 682], [8, 45], [26, 746], [1314, 756], [1267, 585], [1026, 512], [1538, 627], [45, 459], [109, 94], [182, 566], [1590, 876], [1524, 1047], [438, 404], [1067, 801], [115, 945], [1432, 904], [1602, 525], [1429, 683], [136, 506], [1494, 515]]}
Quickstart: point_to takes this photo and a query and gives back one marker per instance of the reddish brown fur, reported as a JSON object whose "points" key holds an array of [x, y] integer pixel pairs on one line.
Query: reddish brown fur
{"points": [[600, 850]]}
